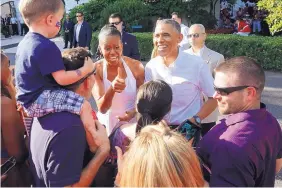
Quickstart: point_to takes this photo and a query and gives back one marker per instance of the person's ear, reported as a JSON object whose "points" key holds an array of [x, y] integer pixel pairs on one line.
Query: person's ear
{"points": [[180, 37], [49, 20], [205, 36]]}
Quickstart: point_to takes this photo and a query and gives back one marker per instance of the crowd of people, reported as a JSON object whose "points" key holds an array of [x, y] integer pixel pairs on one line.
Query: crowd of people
{"points": [[9, 26], [246, 20], [146, 130]]}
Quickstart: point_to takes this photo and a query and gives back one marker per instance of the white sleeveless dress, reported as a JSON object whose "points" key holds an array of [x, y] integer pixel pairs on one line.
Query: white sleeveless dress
{"points": [[121, 102]]}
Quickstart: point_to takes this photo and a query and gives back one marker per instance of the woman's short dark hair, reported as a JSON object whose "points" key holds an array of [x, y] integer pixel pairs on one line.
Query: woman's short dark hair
{"points": [[153, 102], [109, 30]]}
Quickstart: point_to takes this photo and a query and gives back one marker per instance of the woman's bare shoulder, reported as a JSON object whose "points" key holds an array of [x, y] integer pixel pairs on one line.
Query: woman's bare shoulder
{"points": [[99, 67], [135, 66], [129, 130], [6, 101]]}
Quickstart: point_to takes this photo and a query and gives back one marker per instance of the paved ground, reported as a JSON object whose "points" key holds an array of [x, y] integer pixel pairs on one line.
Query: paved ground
{"points": [[272, 95]]}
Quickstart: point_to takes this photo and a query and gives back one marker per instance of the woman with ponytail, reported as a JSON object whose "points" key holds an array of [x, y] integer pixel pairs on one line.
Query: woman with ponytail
{"points": [[153, 102]]}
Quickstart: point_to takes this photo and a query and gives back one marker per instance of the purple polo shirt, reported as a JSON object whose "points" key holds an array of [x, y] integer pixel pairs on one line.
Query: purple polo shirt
{"points": [[241, 150]]}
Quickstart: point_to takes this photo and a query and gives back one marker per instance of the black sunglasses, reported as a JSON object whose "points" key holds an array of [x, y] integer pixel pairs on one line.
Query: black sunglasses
{"points": [[195, 35], [115, 23], [228, 90], [78, 15]]}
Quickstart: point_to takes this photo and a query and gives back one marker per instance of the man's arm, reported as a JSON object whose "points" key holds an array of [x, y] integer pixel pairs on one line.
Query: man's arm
{"points": [[135, 54], [103, 98], [206, 85], [208, 107], [89, 35], [74, 36]]}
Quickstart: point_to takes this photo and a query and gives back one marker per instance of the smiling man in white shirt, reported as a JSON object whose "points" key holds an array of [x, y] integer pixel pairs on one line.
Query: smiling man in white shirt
{"points": [[197, 37], [187, 75]]}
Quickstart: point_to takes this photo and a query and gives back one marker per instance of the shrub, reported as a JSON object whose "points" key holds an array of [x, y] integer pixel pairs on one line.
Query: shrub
{"points": [[266, 50]]}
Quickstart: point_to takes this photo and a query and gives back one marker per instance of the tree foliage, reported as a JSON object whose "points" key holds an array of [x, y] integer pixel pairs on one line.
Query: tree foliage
{"points": [[141, 12], [134, 12], [274, 18]]}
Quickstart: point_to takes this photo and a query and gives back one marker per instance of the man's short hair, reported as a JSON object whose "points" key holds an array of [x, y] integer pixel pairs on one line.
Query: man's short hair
{"points": [[32, 10], [74, 59], [248, 71], [177, 14], [80, 12], [116, 15], [171, 22]]}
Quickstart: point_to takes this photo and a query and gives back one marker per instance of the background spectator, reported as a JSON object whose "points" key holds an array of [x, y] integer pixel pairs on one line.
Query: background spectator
{"points": [[130, 44], [82, 32], [14, 22], [184, 44], [68, 31], [12, 131]]}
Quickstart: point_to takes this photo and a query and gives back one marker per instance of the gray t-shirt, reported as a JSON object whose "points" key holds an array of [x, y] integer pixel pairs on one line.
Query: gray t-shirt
{"points": [[57, 147]]}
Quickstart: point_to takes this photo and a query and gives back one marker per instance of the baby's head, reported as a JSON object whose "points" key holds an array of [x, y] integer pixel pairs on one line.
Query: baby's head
{"points": [[43, 14]]}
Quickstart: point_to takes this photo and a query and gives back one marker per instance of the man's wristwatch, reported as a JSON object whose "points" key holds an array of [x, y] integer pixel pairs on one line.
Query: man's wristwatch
{"points": [[197, 120]]}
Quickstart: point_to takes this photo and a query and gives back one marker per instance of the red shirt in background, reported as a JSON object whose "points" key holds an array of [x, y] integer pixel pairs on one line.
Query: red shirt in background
{"points": [[243, 27]]}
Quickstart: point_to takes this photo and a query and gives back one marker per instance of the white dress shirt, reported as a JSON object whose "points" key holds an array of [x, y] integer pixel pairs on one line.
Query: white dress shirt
{"points": [[184, 44], [188, 77], [78, 27], [212, 59]]}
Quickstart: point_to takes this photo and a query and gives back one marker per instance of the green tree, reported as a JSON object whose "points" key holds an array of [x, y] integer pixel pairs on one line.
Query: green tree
{"points": [[274, 18], [134, 12], [91, 10]]}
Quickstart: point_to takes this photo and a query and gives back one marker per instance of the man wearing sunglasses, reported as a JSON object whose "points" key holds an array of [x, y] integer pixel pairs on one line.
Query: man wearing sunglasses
{"points": [[82, 32], [197, 37], [130, 44], [245, 148], [60, 153]]}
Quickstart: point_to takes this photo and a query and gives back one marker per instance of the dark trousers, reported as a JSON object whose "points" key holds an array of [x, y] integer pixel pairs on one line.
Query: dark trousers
{"points": [[15, 29], [206, 127], [68, 39], [24, 29]]}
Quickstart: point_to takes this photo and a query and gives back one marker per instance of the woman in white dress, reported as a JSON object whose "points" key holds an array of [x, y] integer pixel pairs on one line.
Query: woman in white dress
{"points": [[117, 80]]}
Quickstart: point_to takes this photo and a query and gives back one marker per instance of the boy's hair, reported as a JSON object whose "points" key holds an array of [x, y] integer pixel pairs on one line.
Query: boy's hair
{"points": [[32, 10], [74, 59]]}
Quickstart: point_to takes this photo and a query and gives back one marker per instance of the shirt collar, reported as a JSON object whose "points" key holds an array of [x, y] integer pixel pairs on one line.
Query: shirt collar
{"points": [[242, 116], [199, 53]]}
